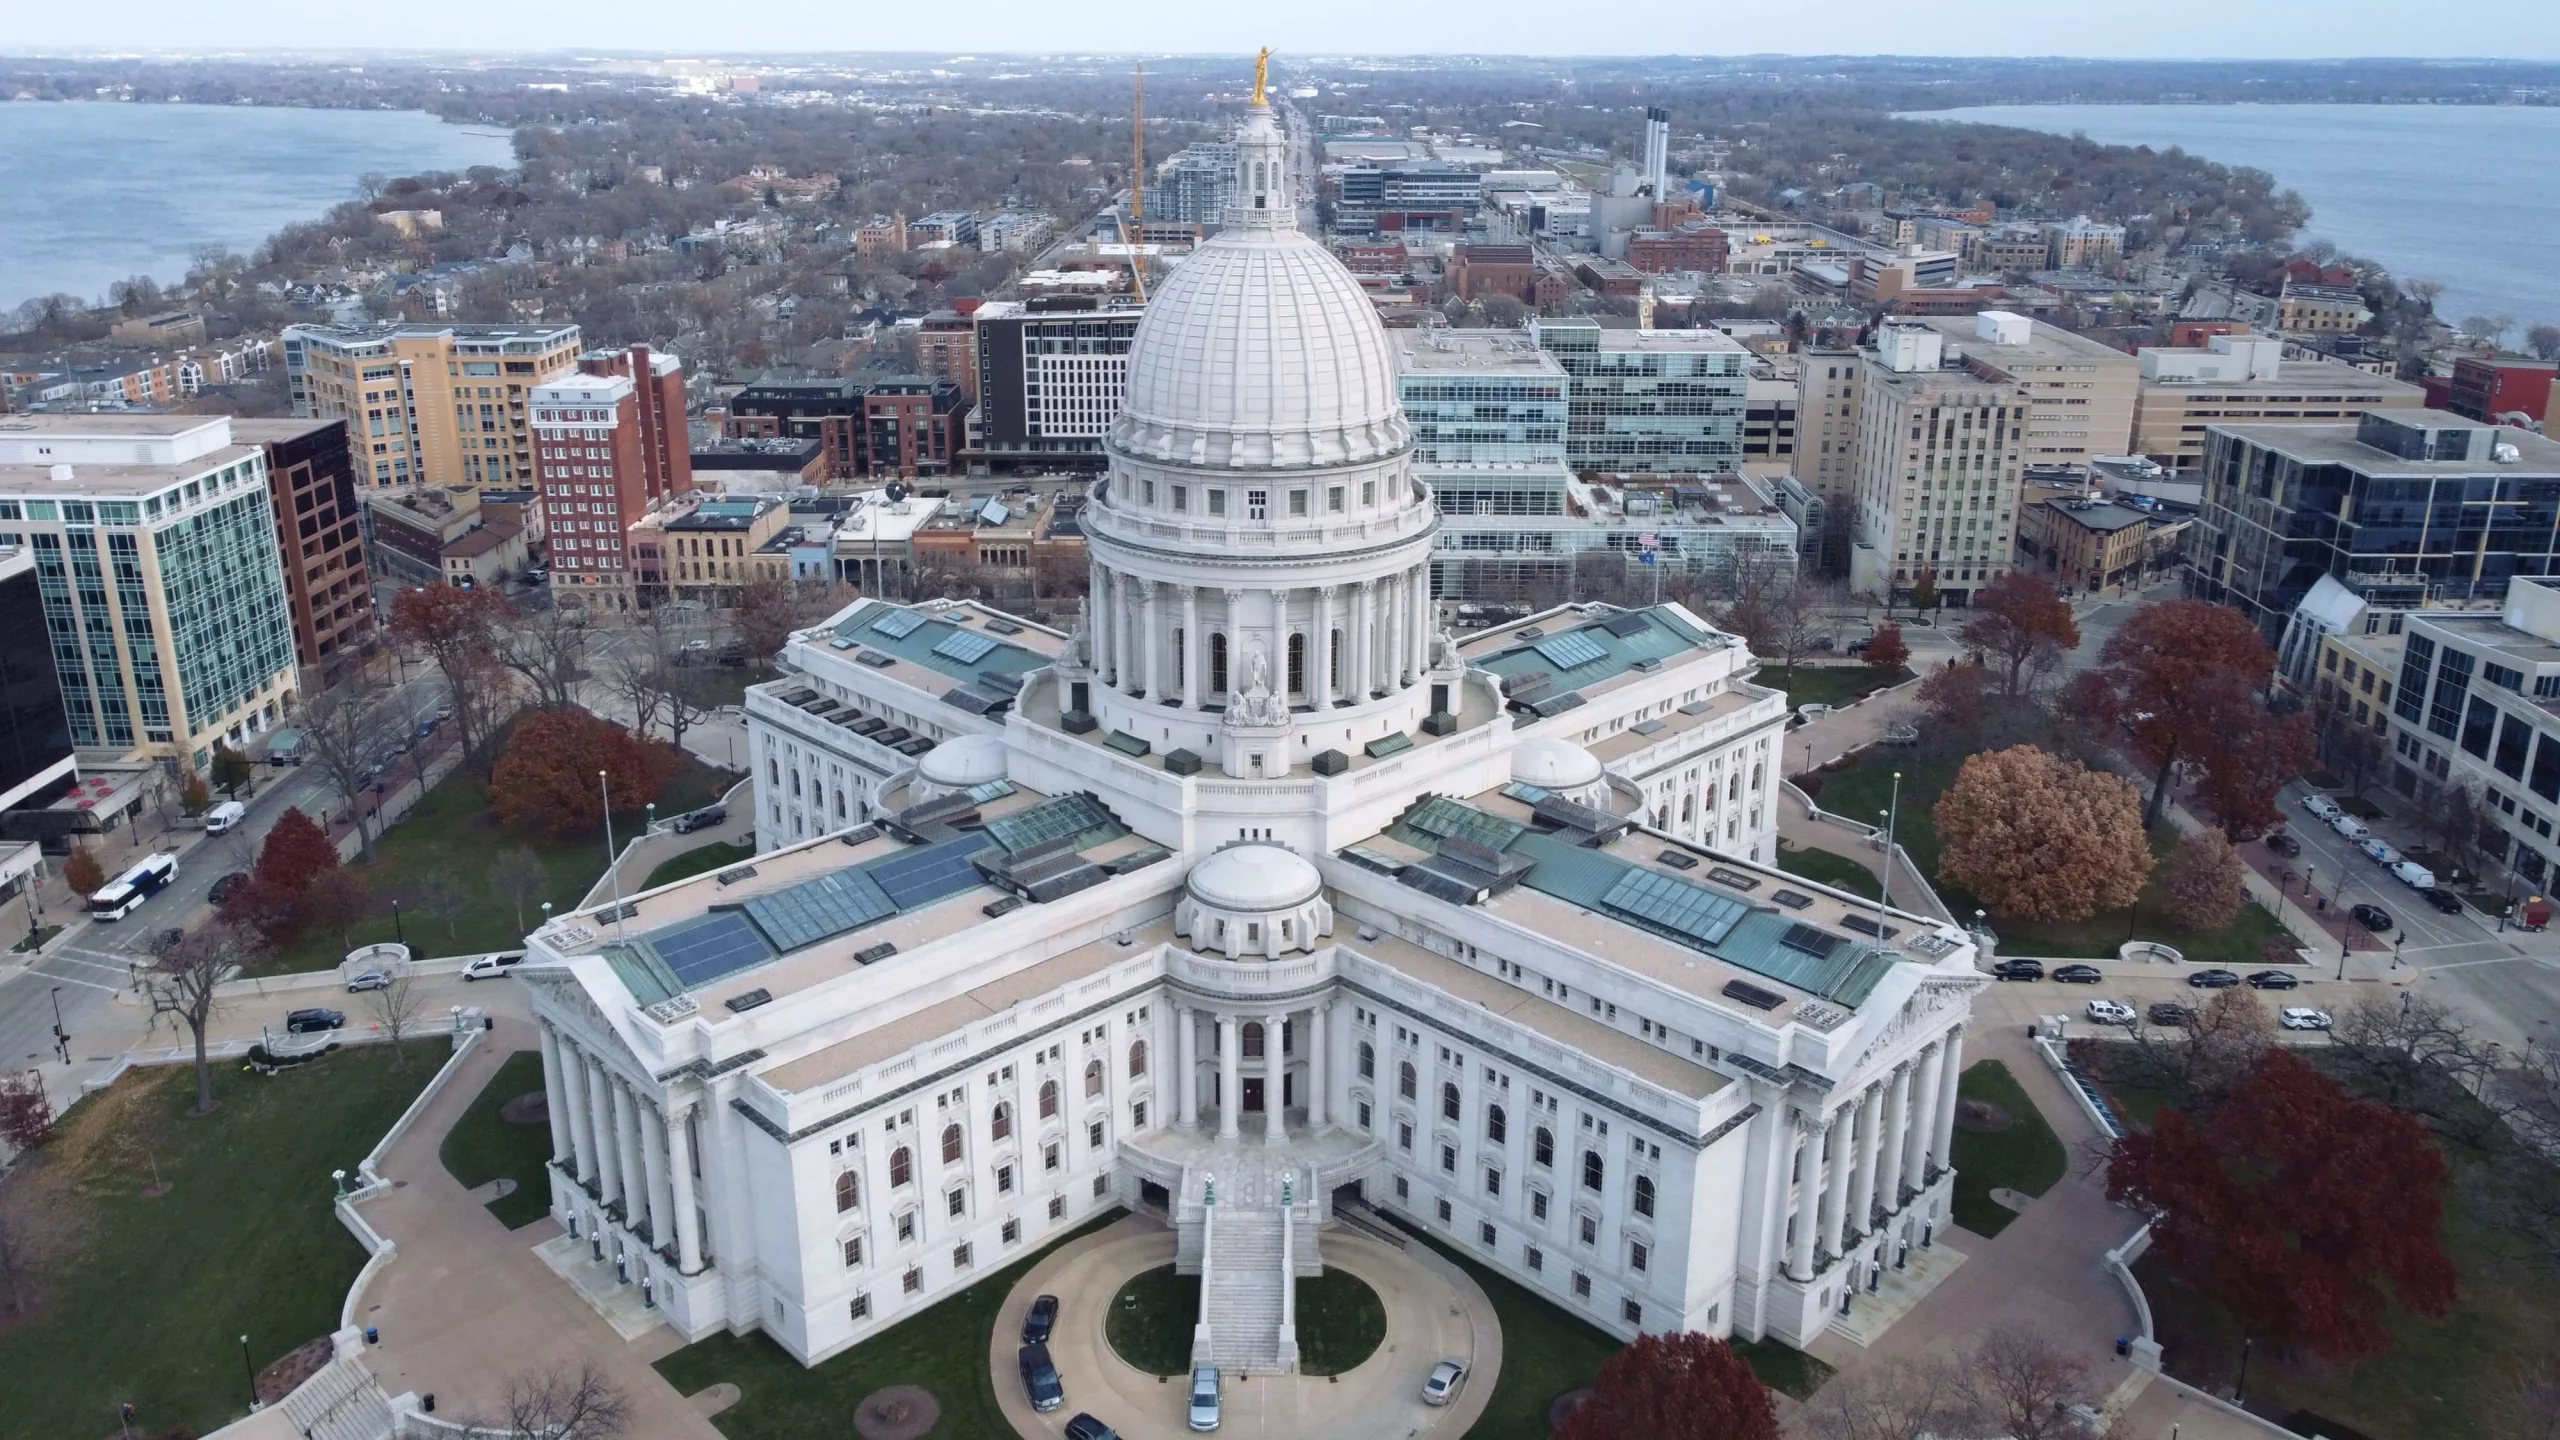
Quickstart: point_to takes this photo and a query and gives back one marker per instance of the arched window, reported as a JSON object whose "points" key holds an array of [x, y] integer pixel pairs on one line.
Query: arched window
{"points": [[1542, 1146], [1252, 1042], [1181, 656], [1368, 1061], [1000, 1125], [1406, 1080], [950, 1144], [902, 1167], [1644, 1195], [1092, 1078], [1048, 1099], [1297, 662], [1449, 1100], [1688, 808], [1496, 1127], [1217, 663], [1591, 1169], [1137, 1058], [848, 1191], [1333, 660]]}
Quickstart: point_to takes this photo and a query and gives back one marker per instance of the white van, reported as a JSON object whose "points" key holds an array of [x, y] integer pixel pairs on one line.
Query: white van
{"points": [[223, 816], [2414, 875], [2349, 826]]}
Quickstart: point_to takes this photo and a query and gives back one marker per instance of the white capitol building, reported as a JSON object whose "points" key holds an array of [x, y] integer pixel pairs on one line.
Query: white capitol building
{"points": [[1255, 884]]}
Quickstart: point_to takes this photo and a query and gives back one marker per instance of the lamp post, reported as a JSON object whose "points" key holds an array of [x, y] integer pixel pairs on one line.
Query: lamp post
{"points": [[2240, 1391], [398, 931], [612, 870], [251, 1371], [61, 1037]]}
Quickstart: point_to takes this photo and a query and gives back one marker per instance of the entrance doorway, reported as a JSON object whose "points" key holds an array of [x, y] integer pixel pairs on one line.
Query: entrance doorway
{"points": [[1253, 1097], [1288, 1089], [1154, 1196]]}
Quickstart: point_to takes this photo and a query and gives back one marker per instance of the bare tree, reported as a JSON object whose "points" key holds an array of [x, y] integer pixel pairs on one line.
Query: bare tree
{"points": [[516, 877], [348, 729], [2023, 1385], [561, 1403], [395, 1008], [549, 650], [182, 985], [2419, 1058], [446, 897], [2204, 1059], [1905, 1399]]}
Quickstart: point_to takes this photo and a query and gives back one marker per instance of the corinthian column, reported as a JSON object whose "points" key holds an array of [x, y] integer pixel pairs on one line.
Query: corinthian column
{"points": [[1195, 651], [1950, 1073], [1320, 652], [1149, 609]]}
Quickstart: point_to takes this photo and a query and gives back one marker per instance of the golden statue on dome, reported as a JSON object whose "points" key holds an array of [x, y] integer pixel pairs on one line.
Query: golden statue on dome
{"points": [[1261, 75]]}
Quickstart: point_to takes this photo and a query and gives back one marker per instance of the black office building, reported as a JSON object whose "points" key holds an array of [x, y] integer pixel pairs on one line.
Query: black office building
{"points": [[1050, 376], [35, 736]]}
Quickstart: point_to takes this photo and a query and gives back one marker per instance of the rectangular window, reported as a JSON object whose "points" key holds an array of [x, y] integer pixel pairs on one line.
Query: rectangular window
{"points": [[1333, 500], [1297, 502], [912, 1281], [957, 1202], [1012, 1232], [1101, 1186], [960, 1257], [1633, 1312], [2514, 738], [1057, 1207], [1588, 1229], [861, 1307], [1536, 1258], [2416, 665], [1484, 1234], [1403, 1190], [1493, 1182], [1181, 497], [2477, 722], [1538, 1204], [1257, 504], [2453, 689], [853, 1253], [1217, 502], [1443, 1208], [1581, 1285], [2546, 767], [1637, 1255], [1004, 1179], [1049, 1156], [907, 1227]]}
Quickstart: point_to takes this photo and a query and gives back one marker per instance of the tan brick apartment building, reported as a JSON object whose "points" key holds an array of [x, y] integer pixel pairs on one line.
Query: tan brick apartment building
{"points": [[429, 404], [2245, 379]]}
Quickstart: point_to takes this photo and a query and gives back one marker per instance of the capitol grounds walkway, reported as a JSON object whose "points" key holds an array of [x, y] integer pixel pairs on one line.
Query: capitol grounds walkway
{"points": [[1434, 1312]]}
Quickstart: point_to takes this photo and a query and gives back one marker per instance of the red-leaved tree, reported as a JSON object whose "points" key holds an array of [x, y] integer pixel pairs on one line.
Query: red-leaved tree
{"points": [[1684, 1386], [82, 872], [296, 853], [2185, 676], [2305, 1212], [548, 777], [1888, 651], [2018, 621]]}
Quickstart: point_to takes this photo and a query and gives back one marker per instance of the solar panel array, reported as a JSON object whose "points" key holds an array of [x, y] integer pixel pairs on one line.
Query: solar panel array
{"points": [[1816, 943], [813, 910], [898, 624], [920, 877], [1570, 649], [1078, 814], [1667, 903], [965, 647], [1626, 623], [721, 943]]}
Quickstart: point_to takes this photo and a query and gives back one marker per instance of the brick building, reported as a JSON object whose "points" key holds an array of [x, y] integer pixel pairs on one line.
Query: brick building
{"points": [[1476, 271], [826, 408], [913, 426], [1701, 248], [2485, 387], [609, 447], [320, 534]]}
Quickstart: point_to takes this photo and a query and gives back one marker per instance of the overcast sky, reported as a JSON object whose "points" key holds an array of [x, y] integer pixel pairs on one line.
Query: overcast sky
{"points": [[2237, 29]]}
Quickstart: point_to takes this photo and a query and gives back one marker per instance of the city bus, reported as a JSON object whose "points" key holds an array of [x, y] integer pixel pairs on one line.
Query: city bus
{"points": [[123, 895]]}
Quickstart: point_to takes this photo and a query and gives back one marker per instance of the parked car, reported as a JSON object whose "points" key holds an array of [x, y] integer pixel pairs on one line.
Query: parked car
{"points": [[2018, 970], [2378, 850], [222, 888], [1039, 1320], [2168, 1012], [1859, 645], [2274, 980], [2110, 1012], [2216, 979], [2283, 843], [364, 980], [2077, 975], [2371, 917], [1204, 1397], [1085, 1427], [2321, 805], [167, 940], [492, 967], [2445, 901], [2349, 826], [702, 819], [312, 1021], [1442, 1385], [2302, 1017], [2413, 875], [1040, 1378]]}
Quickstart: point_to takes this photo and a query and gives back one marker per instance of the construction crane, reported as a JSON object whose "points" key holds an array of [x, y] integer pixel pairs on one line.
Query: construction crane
{"points": [[1134, 219]]}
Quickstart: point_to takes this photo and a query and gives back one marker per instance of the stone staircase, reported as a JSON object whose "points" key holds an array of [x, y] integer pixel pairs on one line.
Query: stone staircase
{"points": [[341, 1401], [1244, 1296]]}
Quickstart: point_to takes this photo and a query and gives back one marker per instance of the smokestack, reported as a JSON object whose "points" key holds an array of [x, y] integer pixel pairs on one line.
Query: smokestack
{"points": [[1657, 149]]}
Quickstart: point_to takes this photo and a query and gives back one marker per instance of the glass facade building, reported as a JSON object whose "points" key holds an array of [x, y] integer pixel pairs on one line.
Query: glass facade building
{"points": [[1654, 400]]}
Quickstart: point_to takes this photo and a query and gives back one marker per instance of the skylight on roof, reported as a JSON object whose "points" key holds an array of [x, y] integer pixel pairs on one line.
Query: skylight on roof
{"points": [[1667, 903], [898, 624], [1571, 649], [965, 647]]}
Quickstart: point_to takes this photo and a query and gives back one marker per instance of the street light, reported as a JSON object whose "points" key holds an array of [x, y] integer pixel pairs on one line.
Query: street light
{"points": [[251, 1371], [61, 1037], [397, 930], [2240, 1391]]}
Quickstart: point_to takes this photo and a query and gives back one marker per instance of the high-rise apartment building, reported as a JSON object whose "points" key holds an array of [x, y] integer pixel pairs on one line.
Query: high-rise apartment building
{"points": [[1195, 185], [610, 447], [2080, 392], [1941, 450], [2081, 243], [947, 349], [824, 408], [428, 404], [1050, 373], [1657, 400], [35, 738], [320, 537], [154, 539]]}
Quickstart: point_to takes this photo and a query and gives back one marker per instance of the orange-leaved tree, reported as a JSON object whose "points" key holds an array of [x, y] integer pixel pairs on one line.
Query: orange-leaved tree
{"points": [[2037, 837], [549, 775], [2201, 882]]}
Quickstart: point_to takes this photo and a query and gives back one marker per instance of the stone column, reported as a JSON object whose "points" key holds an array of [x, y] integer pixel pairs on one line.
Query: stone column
{"points": [[1123, 674], [1808, 1185], [653, 1169], [1924, 1115], [555, 1099], [1318, 1072], [1230, 1080], [1195, 654], [1862, 1190], [1950, 1072], [680, 1182], [1836, 1188], [1233, 628], [1098, 609], [1897, 1113], [608, 1171], [1418, 621], [1395, 601], [1362, 639], [635, 1176], [1151, 610], [1186, 1037], [1275, 1070], [1320, 651]]}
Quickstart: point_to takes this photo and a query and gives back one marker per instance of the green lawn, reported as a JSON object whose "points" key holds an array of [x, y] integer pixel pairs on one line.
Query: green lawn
{"points": [[439, 863], [1341, 1322], [2027, 1156], [1837, 871], [718, 855], [1151, 1320], [482, 1146], [1864, 789], [942, 1348], [1783, 1368], [148, 1297], [1830, 684]]}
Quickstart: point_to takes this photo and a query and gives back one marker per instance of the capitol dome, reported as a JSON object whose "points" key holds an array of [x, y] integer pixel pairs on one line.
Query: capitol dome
{"points": [[1260, 350], [1253, 900]]}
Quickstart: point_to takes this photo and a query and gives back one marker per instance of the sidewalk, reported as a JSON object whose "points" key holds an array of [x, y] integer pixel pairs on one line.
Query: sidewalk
{"points": [[645, 854]]}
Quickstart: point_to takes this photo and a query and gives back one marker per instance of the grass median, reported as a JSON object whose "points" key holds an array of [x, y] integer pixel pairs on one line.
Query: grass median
{"points": [[485, 1145], [2002, 1143]]}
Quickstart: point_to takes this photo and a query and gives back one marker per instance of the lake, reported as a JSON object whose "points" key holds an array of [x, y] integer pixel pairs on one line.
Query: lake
{"points": [[100, 192], [2468, 195]]}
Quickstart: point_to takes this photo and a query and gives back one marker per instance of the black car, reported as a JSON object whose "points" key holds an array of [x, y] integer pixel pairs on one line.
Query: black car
{"points": [[2078, 975], [2018, 970], [2214, 979], [309, 1022], [1040, 1378], [223, 888], [1085, 1427], [2283, 843], [1039, 1320], [2275, 980], [2169, 1012], [2445, 901], [2371, 917]]}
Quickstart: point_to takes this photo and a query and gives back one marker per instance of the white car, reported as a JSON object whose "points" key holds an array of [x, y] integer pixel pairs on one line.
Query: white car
{"points": [[2413, 875], [2110, 1012], [2302, 1017], [2349, 826], [1442, 1386], [492, 967], [2320, 805], [2378, 850], [368, 980]]}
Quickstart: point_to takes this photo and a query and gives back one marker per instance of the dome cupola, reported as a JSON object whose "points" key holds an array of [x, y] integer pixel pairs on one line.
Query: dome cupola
{"points": [[1253, 899]]}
